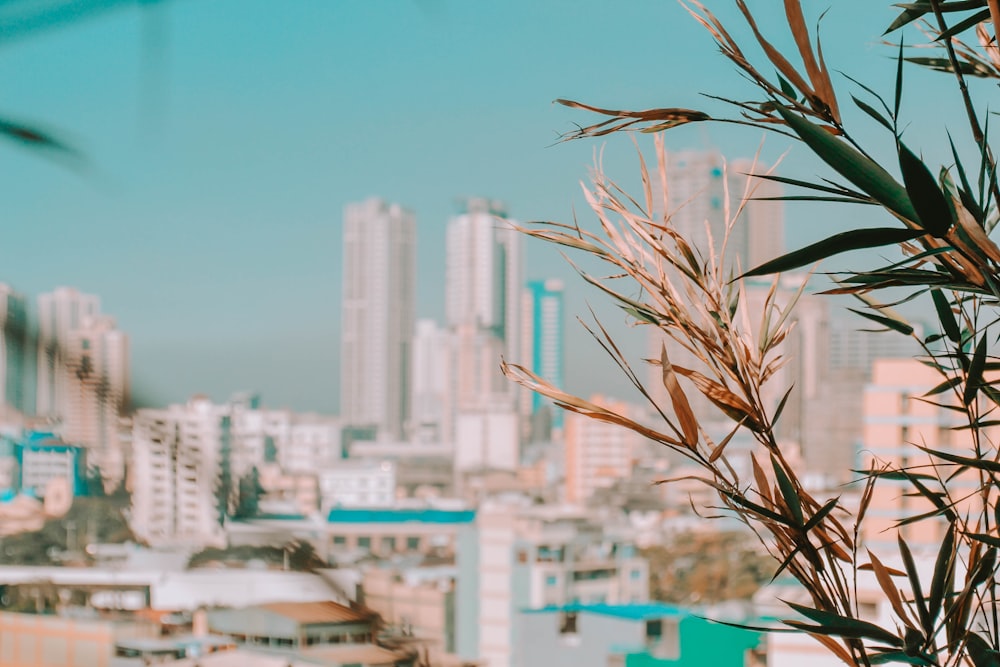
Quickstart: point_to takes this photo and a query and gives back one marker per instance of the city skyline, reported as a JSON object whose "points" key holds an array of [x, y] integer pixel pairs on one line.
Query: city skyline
{"points": [[215, 175]]}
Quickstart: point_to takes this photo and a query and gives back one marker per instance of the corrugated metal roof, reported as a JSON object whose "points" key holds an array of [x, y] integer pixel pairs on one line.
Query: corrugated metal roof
{"points": [[308, 613]]}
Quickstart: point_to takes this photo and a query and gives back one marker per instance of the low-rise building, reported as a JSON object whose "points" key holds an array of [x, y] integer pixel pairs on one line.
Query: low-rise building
{"points": [[632, 635], [357, 483], [295, 625]]}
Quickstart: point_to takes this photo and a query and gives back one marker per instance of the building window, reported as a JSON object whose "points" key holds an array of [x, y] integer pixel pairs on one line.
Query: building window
{"points": [[551, 580], [388, 544], [635, 575], [340, 540], [364, 543], [522, 556], [413, 543]]}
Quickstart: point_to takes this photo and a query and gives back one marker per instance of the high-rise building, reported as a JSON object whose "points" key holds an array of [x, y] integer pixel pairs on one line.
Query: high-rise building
{"points": [[60, 312], [483, 301], [543, 330], [598, 453], [431, 416], [704, 192], [377, 317], [483, 307], [97, 364], [13, 349]]}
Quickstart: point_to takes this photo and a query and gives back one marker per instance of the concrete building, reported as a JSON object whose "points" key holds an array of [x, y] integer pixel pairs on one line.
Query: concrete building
{"points": [[357, 483], [543, 332], [97, 358], [517, 557], [483, 303], [313, 442], [42, 458], [13, 349], [294, 625], [633, 635], [487, 438], [598, 454], [895, 420], [432, 408], [417, 602], [377, 316], [60, 312]]}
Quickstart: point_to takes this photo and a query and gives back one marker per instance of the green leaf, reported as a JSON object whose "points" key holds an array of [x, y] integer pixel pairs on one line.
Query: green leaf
{"points": [[942, 573], [873, 112], [933, 211], [975, 376], [788, 493], [855, 239], [897, 325], [985, 538], [814, 520], [965, 24], [981, 653], [946, 316], [907, 16], [787, 88], [899, 80], [926, 622], [838, 190], [860, 170], [842, 626]]}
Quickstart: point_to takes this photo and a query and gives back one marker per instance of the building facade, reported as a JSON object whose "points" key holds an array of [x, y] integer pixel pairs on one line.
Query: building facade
{"points": [[377, 316], [543, 315]]}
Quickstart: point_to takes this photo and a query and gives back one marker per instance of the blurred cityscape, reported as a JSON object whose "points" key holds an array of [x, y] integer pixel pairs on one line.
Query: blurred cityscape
{"points": [[446, 516]]}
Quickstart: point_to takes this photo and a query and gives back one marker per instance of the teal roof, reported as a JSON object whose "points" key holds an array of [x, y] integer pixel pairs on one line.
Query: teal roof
{"points": [[638, 611], [346, 515]]}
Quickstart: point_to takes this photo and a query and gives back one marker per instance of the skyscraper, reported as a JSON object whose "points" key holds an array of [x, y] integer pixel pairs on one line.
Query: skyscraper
{"points": [[377, 316], [97, 361], [60, 312], [483, 294], [483, 307], [543, 327], [13, 348], [704, 190]]}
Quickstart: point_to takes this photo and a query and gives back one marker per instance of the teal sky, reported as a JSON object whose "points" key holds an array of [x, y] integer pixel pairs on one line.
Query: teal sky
{"points": [[224, 138]]}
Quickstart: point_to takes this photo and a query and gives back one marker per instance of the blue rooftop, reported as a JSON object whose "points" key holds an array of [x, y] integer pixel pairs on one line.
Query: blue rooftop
{"points": [[638, 611], [346, 515]]}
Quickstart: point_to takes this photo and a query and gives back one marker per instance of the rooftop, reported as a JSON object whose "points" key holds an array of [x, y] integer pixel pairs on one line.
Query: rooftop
{"points": [[308, 613], [400, 515], [639, 611]]}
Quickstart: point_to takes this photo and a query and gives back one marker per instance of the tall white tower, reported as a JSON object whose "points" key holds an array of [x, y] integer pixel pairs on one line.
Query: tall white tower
{"points": [[60, 312], [377, 317], [483, 308], [483, 301]]}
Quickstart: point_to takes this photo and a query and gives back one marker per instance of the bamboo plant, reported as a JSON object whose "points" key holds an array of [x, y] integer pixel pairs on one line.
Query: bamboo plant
{"points": [[939, 218]]}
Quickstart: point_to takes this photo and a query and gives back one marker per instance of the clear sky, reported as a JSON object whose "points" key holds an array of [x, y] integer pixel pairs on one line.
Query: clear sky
{"points": [[224, 138]]}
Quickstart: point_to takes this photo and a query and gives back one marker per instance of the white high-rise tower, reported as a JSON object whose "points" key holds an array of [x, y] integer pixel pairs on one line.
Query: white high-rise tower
{"points": [[483, 306], [60, 312], [377, 316]]}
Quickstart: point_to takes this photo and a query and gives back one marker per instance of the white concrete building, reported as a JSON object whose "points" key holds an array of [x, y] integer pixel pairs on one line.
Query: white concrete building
{"points": [[483, 303], [487, 439], [598, 453], [60, 312], [97, 359], [353, 483], [313, 443], [377, 316], [432, 408], [516, 557], [185, 454]]}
